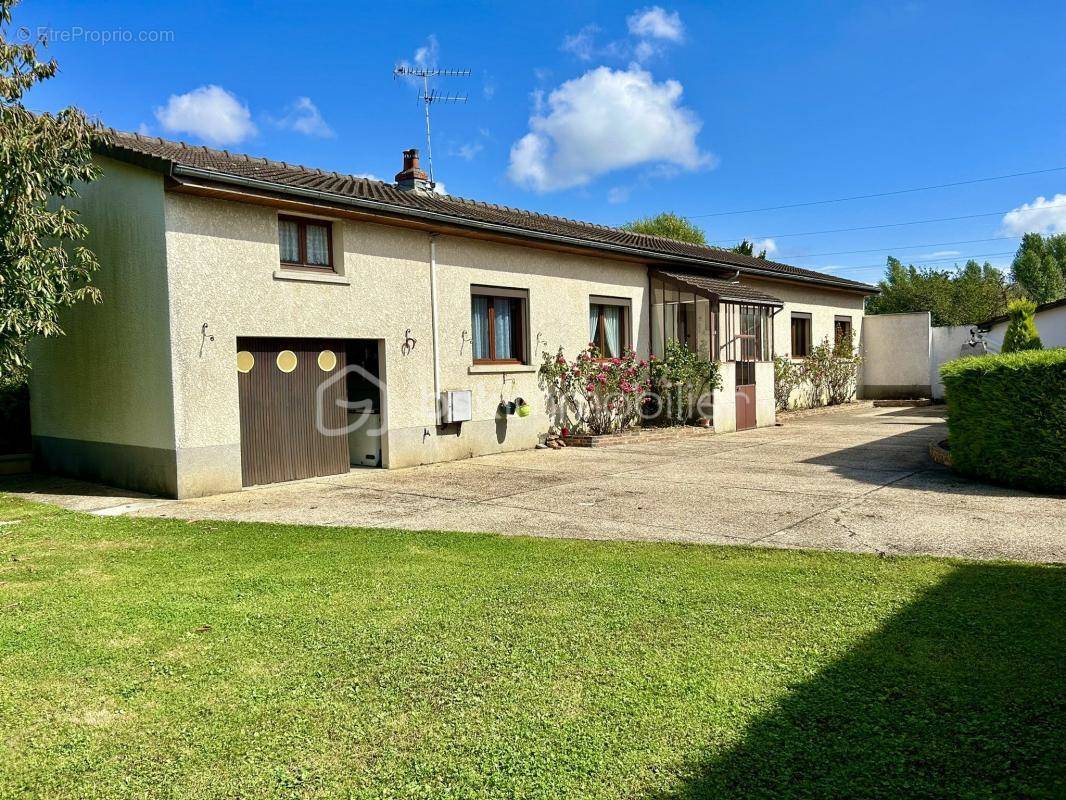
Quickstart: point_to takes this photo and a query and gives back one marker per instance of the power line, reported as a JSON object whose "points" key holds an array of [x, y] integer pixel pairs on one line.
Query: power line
{"points": [[902, 247], [879, 194], [925, 262], [895, 224]]}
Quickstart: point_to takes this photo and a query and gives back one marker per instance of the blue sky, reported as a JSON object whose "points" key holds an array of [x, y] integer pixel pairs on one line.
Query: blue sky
{"points": [[609, 111]]}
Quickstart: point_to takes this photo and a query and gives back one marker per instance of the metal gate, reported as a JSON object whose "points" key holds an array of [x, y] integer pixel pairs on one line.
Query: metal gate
{"points": [[278, 381]]}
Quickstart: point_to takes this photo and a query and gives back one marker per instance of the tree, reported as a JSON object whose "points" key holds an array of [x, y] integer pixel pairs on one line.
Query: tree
{"points": [[1021, 330], [1040, 267], [669, 226], [42, 158], [746, 248], [962, 296]]}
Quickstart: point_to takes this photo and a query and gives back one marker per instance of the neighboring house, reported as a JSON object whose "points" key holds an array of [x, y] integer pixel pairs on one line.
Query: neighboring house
{"points": [[234, 288], [904, 352]]}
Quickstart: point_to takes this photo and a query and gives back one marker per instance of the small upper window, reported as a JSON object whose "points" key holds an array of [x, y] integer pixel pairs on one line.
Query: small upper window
{"points": [[305, 243]]}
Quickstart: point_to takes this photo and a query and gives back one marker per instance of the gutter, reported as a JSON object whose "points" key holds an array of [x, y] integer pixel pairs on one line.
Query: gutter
{"points": [[433, 323], [447, 219]]}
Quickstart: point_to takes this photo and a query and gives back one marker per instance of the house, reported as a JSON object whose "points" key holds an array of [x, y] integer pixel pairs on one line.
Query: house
{"points": [[245, 301], [905, 351]]}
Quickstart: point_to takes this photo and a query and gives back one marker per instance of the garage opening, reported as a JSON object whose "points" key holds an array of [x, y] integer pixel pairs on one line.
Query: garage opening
{"points": [[294, 395]]}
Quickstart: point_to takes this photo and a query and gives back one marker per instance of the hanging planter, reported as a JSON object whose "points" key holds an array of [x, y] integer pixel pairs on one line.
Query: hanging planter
{"points": [[524, 409]]}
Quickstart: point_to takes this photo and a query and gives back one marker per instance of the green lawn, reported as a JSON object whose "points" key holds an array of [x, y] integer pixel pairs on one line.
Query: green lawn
{"points": [[148, 658]]}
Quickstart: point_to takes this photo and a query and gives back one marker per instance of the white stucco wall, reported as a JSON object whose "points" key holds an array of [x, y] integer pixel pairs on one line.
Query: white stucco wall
{"points": [[897, 355], [101, 398], [949, 343], [222, 258]]}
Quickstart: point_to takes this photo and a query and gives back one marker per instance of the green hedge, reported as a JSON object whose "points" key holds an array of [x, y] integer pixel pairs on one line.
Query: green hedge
{"points": [[1007, 418]]}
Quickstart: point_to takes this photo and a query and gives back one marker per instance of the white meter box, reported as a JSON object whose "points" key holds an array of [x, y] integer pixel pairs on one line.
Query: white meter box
{"points": [[455, 406]]}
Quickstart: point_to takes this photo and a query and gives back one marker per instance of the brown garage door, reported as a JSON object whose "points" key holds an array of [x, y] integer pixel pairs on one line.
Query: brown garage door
{"points": [[277, 382]]}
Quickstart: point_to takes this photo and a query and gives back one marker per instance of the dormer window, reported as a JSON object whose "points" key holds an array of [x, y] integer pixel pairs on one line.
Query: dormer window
{"points": [[305, 243]]}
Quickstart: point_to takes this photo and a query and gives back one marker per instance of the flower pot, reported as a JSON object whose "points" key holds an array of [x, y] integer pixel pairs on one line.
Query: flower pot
{"points": [[524, 410]]}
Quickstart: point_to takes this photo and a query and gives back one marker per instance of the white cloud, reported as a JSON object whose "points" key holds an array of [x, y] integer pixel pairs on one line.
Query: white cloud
{"points": [[210, 113], [370, 176], [656, 23], [438, 188], [143, 129], [1040, 216], [582, 44], [602, 121], [769, 245], [304, 117], [618, 194], [943, 254], [426, 55], [470, 150]]}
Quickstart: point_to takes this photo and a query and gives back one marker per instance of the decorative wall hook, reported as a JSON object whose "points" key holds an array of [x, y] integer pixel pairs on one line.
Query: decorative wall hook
{"points": [[466, 338], [409, 343], [204, 338]]}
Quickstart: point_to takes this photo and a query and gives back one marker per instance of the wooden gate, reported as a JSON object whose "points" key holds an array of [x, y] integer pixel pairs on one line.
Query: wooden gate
{"points": [[278, 382], [745, 398]]}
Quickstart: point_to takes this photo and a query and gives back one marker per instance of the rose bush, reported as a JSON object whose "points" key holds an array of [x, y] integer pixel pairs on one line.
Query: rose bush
{"points": [[592, 394]]}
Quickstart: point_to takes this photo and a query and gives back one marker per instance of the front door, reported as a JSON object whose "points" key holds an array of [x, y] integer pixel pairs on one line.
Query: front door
{"points": [[745, 395], [283, 436]]}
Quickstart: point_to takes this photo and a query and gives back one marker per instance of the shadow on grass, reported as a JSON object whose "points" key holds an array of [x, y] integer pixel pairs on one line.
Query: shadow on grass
{"points": [[962, 694]]}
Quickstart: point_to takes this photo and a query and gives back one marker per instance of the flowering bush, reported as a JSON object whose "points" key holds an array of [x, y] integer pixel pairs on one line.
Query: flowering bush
{"points": [[593, 394], [788, 375], [832, 371], [682, 379]]}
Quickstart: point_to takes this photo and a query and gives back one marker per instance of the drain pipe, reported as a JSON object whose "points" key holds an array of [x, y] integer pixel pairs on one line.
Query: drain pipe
{"points": [[433, 321]]}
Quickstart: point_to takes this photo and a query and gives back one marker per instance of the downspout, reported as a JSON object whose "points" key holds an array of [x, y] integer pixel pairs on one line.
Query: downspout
{"points": [[433, 322]]}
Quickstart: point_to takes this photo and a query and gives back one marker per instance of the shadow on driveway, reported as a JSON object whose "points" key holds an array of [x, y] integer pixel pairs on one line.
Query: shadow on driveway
{"points": [[962, 694]]}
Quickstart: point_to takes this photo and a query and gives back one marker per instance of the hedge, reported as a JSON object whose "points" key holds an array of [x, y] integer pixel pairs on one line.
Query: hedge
{"points": [[1007, 418]]}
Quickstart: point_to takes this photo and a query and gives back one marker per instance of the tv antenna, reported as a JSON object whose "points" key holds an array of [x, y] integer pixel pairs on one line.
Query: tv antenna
{"points": [[429, 96]]}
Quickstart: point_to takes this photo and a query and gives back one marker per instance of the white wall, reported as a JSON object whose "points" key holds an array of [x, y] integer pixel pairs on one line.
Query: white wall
{"points": [[949, 343], [897, 356]]}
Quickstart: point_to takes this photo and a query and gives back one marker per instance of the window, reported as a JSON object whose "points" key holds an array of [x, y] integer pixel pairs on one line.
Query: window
{"points": [[498, 323], [305, 243], [801, 335], [609, 325], [841, 328], [749, 332], [678, 313]]}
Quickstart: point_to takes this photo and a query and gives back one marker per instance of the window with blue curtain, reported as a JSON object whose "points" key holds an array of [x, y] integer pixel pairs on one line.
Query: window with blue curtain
{"points": [[497, 326], [608, 329]]}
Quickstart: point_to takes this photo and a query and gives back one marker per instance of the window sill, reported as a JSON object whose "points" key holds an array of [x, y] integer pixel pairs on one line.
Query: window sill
{"points": [[489, 369], [308, 276]]}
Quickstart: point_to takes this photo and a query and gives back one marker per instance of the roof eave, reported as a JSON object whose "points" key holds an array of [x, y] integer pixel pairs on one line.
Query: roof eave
{"points": [[176, 170]]}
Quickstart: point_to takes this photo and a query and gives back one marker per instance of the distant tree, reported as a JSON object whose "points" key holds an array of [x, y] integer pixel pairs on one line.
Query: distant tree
{"points": [[42, 158], [746, 248], [1040, 267], [1021, 330], [963, 296], [669, 226]]}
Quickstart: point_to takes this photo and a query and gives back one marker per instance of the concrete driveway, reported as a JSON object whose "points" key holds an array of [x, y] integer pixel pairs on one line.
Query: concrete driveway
{"points": [[857, 479]]}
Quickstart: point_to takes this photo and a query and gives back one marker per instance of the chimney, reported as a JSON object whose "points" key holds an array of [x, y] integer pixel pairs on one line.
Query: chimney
{"points": [[412, 179]]}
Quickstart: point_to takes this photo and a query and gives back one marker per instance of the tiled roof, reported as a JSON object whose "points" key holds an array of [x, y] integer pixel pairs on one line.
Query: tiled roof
{"points": [[726, 290], [178, 158]]}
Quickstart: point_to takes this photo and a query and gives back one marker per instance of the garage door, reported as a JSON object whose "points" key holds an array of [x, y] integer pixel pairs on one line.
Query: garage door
{"points": [[278, 380]]}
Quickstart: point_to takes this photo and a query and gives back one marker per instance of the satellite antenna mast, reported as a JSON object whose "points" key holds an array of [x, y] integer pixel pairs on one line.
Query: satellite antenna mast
{"points": [[429, 96]]}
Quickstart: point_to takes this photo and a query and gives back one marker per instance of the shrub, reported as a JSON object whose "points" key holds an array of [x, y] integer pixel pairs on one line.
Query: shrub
{"points": [[592, 394], [1021, 331], [1007, 418], [788, 376], [682, 378], [832, 371]]}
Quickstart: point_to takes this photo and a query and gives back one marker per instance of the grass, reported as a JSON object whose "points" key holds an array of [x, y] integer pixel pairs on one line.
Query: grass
{"points": [[165, 659]]}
